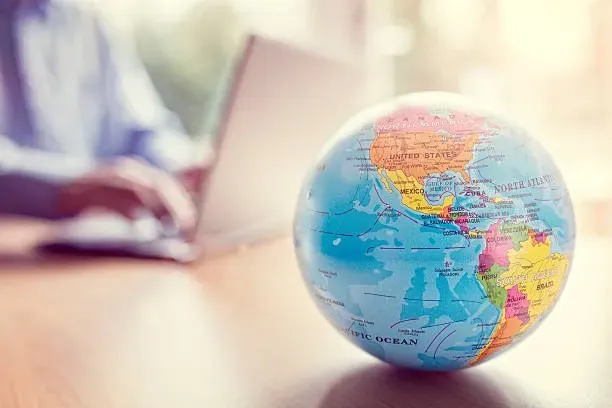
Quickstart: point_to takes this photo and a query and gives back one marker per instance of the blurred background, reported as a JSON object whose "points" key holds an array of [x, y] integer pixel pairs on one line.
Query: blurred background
{"points": [[547, 62]]}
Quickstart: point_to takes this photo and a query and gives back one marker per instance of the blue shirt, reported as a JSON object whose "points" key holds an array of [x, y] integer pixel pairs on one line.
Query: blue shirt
{"points": [[72, 97]]}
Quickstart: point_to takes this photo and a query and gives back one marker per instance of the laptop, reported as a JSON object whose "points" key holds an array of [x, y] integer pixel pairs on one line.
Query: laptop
{"points": [[277, 109]]}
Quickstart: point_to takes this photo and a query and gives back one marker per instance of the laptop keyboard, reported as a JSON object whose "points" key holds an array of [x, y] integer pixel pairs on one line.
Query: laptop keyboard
{"points": [[149, 228], [115, 228]]}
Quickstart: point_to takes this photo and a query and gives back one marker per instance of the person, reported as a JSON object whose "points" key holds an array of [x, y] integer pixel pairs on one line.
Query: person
{"points": [[81, 126]]}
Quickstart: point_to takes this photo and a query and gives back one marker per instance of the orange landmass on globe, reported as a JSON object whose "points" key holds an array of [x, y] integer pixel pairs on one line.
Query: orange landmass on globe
{"points": [[503, 335], [413, 143], [419, 154]]}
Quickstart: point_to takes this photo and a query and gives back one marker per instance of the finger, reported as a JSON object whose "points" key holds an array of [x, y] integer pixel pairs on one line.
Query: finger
{"points": [[177, 202], [164, 197], [156, 191], [138, 182], [127, 207], [125, 187], [120, 201], [193, 178], [148, 198]]}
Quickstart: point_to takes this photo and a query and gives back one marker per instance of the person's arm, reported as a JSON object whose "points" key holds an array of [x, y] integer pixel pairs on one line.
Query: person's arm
{"points": [[31, 179], [151, 131], [54, 186]]}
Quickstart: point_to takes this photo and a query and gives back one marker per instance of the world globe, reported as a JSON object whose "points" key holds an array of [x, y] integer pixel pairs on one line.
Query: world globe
{"points": [[434, 233]]}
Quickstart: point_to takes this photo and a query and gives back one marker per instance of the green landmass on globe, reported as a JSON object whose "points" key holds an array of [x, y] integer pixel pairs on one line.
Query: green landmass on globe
{"points": [[434, 233]]}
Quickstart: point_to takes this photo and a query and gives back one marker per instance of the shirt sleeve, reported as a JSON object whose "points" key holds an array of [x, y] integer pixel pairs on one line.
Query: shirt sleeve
{"points": [[30, 179], [150, 130]]}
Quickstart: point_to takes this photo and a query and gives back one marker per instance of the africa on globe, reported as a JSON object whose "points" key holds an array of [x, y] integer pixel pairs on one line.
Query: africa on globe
{"points": [[434, 233]]}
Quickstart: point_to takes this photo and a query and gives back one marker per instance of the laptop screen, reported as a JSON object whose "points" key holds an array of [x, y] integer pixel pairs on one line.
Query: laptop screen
{"points": [[280, 105], [218, 111]]}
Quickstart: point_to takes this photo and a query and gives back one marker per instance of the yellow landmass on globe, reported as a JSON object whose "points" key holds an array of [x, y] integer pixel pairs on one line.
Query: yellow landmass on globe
{"points": [[413, 194], [533, 281], [544, 286], [478, 233], [540, 275], [384, 180]]}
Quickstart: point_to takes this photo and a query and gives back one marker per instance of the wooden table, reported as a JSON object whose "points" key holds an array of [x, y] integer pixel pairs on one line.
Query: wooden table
{"points": [[241, 331]]}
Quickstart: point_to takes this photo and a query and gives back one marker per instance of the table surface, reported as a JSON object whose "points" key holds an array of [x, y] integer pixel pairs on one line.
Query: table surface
{"points": [[240, 330]]}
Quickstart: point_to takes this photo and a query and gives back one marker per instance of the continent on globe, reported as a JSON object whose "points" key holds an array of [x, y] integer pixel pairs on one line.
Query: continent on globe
{"points": [[434, 234], [413, 193], [419, 154], [500, 238], [524, 283], [406, 152]]}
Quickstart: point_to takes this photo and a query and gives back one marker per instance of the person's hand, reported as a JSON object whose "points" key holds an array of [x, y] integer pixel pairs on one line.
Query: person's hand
{"points": [[128, 186], [193, 178]]}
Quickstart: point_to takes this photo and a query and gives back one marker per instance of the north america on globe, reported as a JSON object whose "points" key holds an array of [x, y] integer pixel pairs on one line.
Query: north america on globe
{"points": [[433, 234]]}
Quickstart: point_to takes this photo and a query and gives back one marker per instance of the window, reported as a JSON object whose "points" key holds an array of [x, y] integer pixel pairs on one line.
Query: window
{"points": [[546, 62], [186, 45]]}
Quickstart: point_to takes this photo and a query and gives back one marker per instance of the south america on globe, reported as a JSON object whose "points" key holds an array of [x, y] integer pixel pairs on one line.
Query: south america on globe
{"points": [[433, 233]]}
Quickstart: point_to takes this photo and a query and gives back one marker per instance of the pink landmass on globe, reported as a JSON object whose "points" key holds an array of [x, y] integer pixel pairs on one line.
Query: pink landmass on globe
{"points": [[462, 222], [496, 250], [538, 237], [517, 305], [413, 119], [421, 143]]}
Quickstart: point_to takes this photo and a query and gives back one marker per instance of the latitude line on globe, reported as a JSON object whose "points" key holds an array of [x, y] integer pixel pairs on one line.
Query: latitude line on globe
{"points": [[441, 301], [551, 199], [515, 233], [342, 234], [442, 324], [380, 295], [423, 300], [341, 212]]}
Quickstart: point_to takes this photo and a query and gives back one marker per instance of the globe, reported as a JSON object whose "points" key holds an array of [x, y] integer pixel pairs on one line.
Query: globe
{"points": [[434, 233]]}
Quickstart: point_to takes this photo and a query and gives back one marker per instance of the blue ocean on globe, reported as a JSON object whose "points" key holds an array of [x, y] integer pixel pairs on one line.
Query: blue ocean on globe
{"points": [[433, 233]]}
